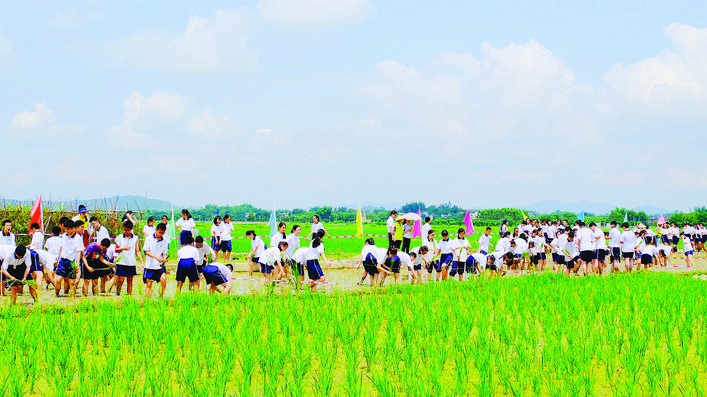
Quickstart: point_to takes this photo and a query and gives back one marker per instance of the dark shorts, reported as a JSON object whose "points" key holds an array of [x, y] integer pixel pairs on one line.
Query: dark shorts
{"points": [[265, 268], [393, 264], [125, 271], [417, 267], [649, 240], [570, 264], [186, 268], [664, 239], [85, 274], [314, 271], [216, 246], [470, 265], [646, 259], [492, 267], [434, 265], [213, 275], [370, 265], [555, 257], [543, 256], [615, 254], [36, 264], [183, 237], [628, 255], [226, 246], [18, 272], [676, 239], [601, 255], [587, 256], [152, 274], [64, 269], [297, 268], [560, 260], [102, 270]]}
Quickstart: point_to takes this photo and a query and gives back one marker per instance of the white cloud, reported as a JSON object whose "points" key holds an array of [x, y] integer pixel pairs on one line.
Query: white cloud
{"points": [[42, 115], [207, 125], [315, 14], [73, 19], [7, 52], [676, 77], [219, 43]]}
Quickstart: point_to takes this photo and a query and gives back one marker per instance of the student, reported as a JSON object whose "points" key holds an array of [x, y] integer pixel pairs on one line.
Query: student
{"points": [[53, 247], [62, 225], [106, 274], [540, 250], [99, 230], [407, 235], [615, 246], [480, 261], [299, 259], [368, 260], [204, 252], [70, 255], [504, 243], [407, 261], [272, 261], [156, 249], [314, 270], [317, 226], [628, 244], [571, 254], [37, 237], [280, 235], [600, 248], [257, 247], [293, 244], [148, 230], [460, 250], [6, 236], [216, 275], [585, 242], [15, 268], [446, 255], [424, 231], [664, 253], [390, 227], [94, 259], [687, 249], [126, 247], [649, 253], [485, 241], [430, 257], [392, 262], [418, 258], [226, 230], [216, 236], [83, 217], [187, 225], [165, 221], [187, 258], [504, 227]]}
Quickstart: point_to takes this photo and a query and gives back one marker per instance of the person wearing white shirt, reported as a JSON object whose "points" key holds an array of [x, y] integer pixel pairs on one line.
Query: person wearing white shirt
{"points": [[391, 225], [128, 249], [226, 230], [6, 235], [418, 256], [218, 275], [446, 255], [600, 248], [204, 252], [37, 237], [300, 260], [186, 224], [687, 249], [460, 249], [571, 254], [585, 243], [485, 242], [371, 262], [561, 242], [406, 260], [101, 231], [15, 267], [425, 229], [187, 258], [280, 235], [71, 251], [147, 230], [317, 225], [272, 260], [215, 233], [257, 247], [675, 233], [293, 244], [432, 250], [649, 252], [664, 253], [407, 235], [316, 251], [628, 242], [615, 246]]}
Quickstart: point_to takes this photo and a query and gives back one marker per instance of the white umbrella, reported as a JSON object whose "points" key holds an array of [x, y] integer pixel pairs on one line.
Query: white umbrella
{"points": [[411, 216]]}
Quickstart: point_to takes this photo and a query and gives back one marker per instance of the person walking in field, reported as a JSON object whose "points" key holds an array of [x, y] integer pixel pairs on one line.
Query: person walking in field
{"points": [[226, 238], [316, 251], [293, 244], [257, 247], [216, 236], [485, 241], [687, 249], [15, 268], [628, 244], [156, 249], [317, 226], [188, 257], [187, 225], [128, 253]]}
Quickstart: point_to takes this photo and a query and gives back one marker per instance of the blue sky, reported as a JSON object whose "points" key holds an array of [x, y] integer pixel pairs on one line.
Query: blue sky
{"points": [[308, 102]]}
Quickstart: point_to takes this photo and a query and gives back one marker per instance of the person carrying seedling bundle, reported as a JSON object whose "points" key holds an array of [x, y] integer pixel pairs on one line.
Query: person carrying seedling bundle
{"points": [[126, 264], [70, 256], [418, 257], [272, 261], [407, 261], [316, 251], [460, 250], [156, 249], [257, 247], [217, 275], [431, 255], [94, 259], [15, 269], [204, 252], [188, 257], [293, 244]]}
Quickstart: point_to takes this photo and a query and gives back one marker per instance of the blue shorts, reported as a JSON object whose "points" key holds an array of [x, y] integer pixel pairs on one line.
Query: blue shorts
{"points": [[297, 268], [445, 259], [186, 268], [676, 239], [615, 254], [226, 245], [214, 245], [601, 255], [543, 256], [18, 272], [36, 264], [125, 271], [370, 265], [393, 264], [152, 274], [690, 252], [314, 271], [470, 265], [664, 239], [265, 268], [213, 275], [183, 237], [483, 252], [64, 269], [435, 265]]}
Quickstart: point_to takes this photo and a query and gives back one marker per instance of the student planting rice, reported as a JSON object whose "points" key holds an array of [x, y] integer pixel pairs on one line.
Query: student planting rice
{"points": [[485, 242], [299, 262], [70, 255], [392, 264], [316, 251], [418, 258], [257, 247], [272, 261], [94, 259], [204, 253], [155, 258], [430, 257], [446, 255], [186, 224], [571, 254], [16, 270], [460, 250], [126, 247], [293, 244], [218, 275], [628, 244], [226, 230], [188, 257]]}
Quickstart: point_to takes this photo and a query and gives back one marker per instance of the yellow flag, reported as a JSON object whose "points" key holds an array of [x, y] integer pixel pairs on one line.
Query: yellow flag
{"points": [[359, 223], [525, 217]]}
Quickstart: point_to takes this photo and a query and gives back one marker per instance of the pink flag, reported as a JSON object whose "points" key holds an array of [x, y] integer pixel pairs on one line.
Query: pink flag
{"points": [[468, 223], [661, 220], [417, 227]]}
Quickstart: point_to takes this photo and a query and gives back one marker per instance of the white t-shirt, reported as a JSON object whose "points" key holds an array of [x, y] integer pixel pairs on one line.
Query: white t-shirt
{"points": [[226, 230], [418, 257], [686, 244], [7, 239], [186, 224], [586, 239], [484, 243], [503, 245], [259, 246], [406, 231], [390, 224], [600, 243], [464, 246], [571, 247], [276, 238], [156, 248], [53, 245], [147, 230], [614, 238], [128, 256], [300, 255], [71, 246], [445, 246], [381, 255], [204, 252], [628, 241], [102, 233], [649, 249], [480, 259], [317, 227], [315, 253], [293, 244], [188, 252], [667, 250], [521, 247], [12, 260], [37, 241], [424, 230], [215, 232], [224, 270], [270, 256], [431, 248], [405, 259]]}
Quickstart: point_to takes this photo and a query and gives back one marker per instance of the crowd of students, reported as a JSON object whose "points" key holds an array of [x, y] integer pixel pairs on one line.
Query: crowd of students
{"points": [[80, 253]]}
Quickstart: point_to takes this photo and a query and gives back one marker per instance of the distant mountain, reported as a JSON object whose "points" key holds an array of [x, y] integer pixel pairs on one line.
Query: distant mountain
{"points": [[550, 206], [133, 203], [652, 210], [370, 206]]}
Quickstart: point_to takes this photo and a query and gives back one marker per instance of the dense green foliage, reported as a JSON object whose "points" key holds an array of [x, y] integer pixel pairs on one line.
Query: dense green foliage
{"points": [[638, 334]]}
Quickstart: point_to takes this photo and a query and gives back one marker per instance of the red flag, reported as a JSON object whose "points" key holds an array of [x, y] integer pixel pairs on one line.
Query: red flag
{"points": [[36, 215]]}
